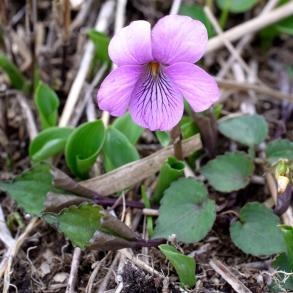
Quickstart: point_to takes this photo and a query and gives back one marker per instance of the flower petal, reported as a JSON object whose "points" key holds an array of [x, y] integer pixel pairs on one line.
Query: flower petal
{"points": [[178, 38], [156, 102], [132, 44], [116, 89], [197, 86]]}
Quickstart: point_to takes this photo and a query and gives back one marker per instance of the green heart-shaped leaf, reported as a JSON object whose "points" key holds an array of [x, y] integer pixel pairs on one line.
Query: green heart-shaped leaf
{"points": [[279, 149], [249, 130], [229, 172], [30, 188], [257, 231], [185, 211], [78, 224]]}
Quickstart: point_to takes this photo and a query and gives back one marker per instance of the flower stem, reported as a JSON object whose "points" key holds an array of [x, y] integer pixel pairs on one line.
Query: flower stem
{"points": [[148, 243], [207, 126], [176, 138]]}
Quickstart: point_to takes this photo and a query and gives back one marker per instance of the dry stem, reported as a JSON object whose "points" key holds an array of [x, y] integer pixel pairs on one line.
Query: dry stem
{"points": [[228, 276], [132, 173], [242, 86], [245, 40], [251, 26], [73, 270], [101, 25]]}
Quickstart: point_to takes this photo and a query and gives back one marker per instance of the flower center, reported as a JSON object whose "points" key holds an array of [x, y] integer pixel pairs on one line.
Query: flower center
{"points": [[154, 68]]}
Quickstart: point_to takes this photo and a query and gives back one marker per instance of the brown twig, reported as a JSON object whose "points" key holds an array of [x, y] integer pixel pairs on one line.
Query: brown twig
{"points": [[66, 31], [207, 125], [74, 270], [228, 276], [132, 173], [241, 86]]}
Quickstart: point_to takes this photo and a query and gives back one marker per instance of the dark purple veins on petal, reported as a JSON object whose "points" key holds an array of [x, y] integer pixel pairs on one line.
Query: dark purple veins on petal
{"points": [[155, 93]]}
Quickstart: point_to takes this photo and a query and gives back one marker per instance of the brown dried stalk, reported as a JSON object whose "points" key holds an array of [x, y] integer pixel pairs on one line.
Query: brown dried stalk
{"points": [[132, 173]]}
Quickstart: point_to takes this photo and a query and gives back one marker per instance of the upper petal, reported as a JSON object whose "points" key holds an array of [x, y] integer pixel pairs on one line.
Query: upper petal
{"points": [[116, 89], [156, 103], [178, 38], [132, 44], [197, 86]]}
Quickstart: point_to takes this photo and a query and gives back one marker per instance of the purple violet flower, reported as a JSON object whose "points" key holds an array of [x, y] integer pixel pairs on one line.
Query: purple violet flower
{"points": [[156, 71]]}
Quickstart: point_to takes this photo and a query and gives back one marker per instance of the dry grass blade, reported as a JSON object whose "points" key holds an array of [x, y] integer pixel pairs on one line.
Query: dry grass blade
{"points": [[5, 234], [228, 276], [132, 173], [242, 86], [29, 117], [140, 263], [251, 26], [245, 40], [74, 270], [101, 25], [6, 265]]}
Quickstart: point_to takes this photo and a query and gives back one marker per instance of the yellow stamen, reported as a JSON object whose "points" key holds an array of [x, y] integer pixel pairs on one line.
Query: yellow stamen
{"points": [[154, 68]]}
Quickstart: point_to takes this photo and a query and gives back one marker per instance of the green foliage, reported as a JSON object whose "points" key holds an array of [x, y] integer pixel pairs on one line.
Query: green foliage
{"points": [[229, 172], [256, 232], [126, 126], [118, 150], [188, 127], [83, 146], [247, 129], [236, 6], [78, 223], [171, 170], [184, 265], [269, 33], [287, 232], [49, 143], [163, 137], [286, 25], [279, 149], [147, 204], [282, 282], [30, 188], [185, 211], [284, 263], [47, 103], [17, 80], [101, 42], [196, 11]]}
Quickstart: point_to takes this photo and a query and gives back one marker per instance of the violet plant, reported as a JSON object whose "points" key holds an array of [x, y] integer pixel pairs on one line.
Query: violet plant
{"points": [[155, 72]]}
